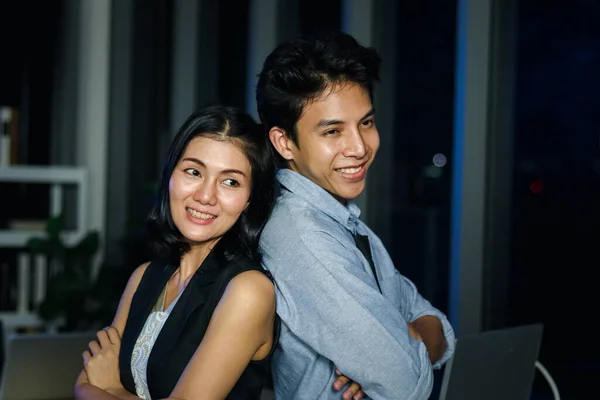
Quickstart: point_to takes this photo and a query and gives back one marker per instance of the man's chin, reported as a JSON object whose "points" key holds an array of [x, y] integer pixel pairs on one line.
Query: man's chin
{"points": [[344, 194]]}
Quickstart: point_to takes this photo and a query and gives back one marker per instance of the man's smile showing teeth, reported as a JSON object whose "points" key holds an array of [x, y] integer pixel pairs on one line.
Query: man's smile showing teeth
{"points": [[198, 214], [350, 170]]}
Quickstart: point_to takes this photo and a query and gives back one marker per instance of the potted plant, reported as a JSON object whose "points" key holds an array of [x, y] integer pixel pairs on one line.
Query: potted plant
{"points": [[73, 296]]}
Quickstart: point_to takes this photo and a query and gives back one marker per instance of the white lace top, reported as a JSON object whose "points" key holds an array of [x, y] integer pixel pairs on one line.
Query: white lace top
{"points": [[145, 342]]}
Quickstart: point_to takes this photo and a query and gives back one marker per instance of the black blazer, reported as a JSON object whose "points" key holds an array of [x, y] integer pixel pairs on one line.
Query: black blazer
{"points": [[185, 327]]}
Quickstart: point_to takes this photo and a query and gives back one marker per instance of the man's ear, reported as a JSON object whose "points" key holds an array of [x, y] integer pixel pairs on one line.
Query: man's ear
{"points": [[282, 143]]}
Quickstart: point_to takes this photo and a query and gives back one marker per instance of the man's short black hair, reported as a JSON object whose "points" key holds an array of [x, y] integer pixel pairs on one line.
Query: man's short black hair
{"points": [[302, 69]]}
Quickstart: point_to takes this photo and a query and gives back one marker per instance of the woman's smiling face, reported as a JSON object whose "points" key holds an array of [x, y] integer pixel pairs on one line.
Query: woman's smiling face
{"points": [[209, 189]]}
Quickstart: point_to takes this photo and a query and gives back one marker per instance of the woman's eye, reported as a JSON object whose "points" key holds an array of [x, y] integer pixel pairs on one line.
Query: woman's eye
{"points": [[331, 132], [192, 171], [231, 182], [368, 123]]}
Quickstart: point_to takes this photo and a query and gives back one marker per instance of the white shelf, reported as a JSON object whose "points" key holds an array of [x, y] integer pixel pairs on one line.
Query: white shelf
{"points": [[14, 320], [42, 174], [56, 177], [13, 238]]}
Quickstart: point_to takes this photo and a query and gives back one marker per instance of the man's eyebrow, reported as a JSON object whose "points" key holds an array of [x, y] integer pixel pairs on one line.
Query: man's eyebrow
{"points": [[203, 165], [324, 123], [369, 114]]}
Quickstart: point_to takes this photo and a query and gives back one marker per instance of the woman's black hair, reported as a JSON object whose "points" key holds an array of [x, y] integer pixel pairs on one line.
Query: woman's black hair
{"points": [[227, 124]]}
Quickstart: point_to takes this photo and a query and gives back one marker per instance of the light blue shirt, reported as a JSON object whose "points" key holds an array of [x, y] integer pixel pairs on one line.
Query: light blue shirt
{"points": [[332, 313]]}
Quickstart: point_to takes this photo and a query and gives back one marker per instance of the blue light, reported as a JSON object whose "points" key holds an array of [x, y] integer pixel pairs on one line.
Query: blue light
{"points": [[458, 166]]}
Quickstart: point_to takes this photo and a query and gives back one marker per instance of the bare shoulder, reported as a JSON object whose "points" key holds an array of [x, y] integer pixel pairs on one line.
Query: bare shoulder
{"points": [[136, 275], [120, 318], [252, 289], [135, 278]]}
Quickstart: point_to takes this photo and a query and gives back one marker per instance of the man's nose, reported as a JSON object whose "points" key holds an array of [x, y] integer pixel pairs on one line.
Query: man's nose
{"points": [[355, 145]]}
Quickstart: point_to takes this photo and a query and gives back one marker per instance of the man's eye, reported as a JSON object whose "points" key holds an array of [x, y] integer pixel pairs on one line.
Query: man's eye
{"points": [[331, 132], [368, 123]]}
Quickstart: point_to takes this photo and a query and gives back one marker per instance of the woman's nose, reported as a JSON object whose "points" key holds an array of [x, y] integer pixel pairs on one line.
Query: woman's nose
{"points": [[206, 193]]}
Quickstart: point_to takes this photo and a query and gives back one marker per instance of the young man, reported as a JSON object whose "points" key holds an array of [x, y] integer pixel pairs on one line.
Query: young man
{"points": [[342, 302]]}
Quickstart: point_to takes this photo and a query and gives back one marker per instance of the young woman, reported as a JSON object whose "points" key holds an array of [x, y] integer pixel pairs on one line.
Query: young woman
{"points": [[199, 321]]}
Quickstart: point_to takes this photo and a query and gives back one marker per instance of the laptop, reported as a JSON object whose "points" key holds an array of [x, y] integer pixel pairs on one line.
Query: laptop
{"points": [[493, 365], [43, 366]]}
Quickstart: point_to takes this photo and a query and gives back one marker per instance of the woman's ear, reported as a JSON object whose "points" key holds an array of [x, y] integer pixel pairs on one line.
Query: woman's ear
{"points": [[282, 143]]}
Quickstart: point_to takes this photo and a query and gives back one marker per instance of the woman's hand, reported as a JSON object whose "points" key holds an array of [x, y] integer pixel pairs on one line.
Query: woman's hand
{"points": [[101, 361]]}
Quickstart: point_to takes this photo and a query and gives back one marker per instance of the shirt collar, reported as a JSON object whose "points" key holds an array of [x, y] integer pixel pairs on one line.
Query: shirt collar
{"points": [[317, 196]]}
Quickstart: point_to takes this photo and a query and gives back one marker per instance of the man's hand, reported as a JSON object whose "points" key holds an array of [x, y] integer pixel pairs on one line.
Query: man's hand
{"points": [[429, 328], [353, 392], [414, 333], [101, 361]]}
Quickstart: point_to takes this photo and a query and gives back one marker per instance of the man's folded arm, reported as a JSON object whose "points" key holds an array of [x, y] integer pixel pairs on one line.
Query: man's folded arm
{"points": [[335, 311], [439, 338]]}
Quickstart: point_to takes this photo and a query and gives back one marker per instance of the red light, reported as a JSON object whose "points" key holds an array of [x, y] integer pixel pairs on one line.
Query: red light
{"points": [[536, 187]]}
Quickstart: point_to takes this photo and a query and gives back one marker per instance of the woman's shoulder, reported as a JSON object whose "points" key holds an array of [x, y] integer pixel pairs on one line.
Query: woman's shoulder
{"points": [[247, 277], [252, 293], [252, 280], [139, 271], [137, 274], [243, 265], [143, 270]]}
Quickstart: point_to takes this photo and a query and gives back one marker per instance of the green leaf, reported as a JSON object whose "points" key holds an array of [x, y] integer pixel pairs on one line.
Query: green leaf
{"points": [[88, 246], [54, 226], [39, 245]]}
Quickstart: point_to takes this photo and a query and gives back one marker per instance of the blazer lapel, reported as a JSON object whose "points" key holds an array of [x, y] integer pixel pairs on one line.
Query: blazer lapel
{"points": [[193, 297], [154, 280]]}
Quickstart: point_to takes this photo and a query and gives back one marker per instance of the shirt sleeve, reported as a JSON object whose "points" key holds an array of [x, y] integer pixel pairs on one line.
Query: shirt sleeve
{"points": [[411, 303], [414, 306], [328, 304]]}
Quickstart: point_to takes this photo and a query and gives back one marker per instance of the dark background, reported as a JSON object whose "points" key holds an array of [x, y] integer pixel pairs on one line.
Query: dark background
{"points": [[555, 166]]}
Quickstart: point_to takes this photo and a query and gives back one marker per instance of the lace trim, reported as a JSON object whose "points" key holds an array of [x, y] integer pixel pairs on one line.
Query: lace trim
{"points": [[145, 342]]}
